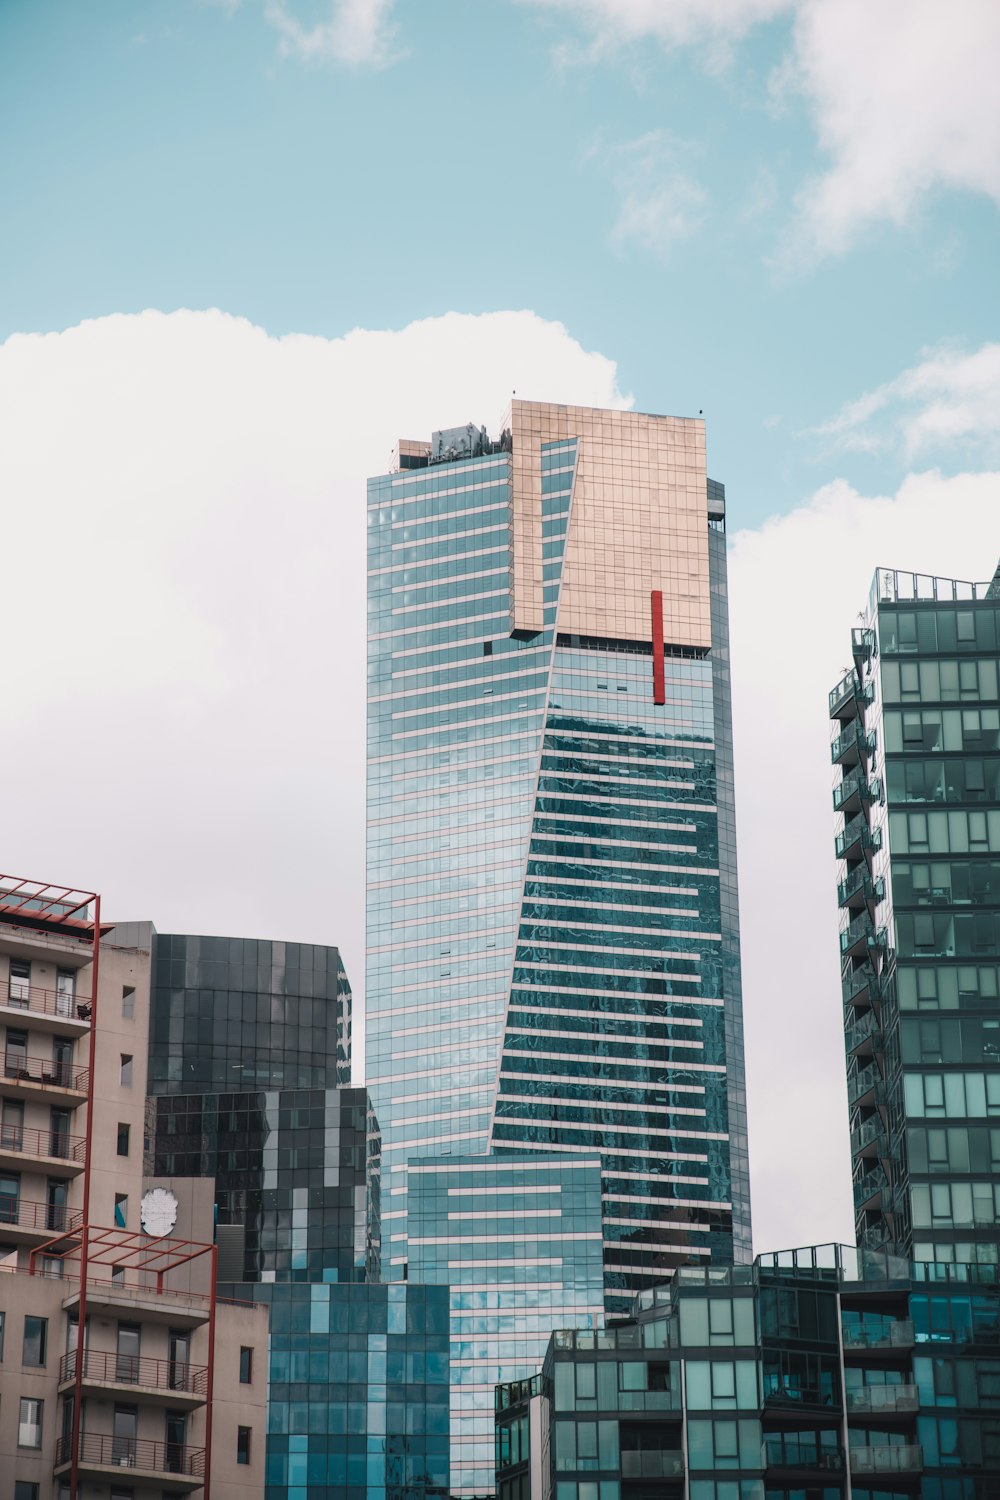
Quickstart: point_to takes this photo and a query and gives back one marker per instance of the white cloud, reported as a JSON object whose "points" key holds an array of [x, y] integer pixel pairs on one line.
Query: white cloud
{"points": [[184, 598], [950, 396], [358, 32], [796, 586], [902, 95], [904, 98], [658, 204]]}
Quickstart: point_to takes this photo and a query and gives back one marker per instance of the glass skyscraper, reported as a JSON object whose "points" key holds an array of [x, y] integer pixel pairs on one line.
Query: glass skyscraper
{"points": [[917, 741], [553, 933]]}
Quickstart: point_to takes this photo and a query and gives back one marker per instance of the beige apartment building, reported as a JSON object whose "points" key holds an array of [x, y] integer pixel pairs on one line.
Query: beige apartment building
{"points": [[165, 1395]]}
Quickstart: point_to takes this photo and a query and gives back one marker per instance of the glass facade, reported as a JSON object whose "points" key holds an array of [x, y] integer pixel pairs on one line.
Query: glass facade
{"points": [[358, 1392], [553, 936], [296, 1178], [917, 740], [244, 1013], [519, 1244], [812, 1375]]}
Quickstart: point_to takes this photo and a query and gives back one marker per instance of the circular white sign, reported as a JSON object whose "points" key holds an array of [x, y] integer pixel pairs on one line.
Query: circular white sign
{"points": [[158, 1211]]}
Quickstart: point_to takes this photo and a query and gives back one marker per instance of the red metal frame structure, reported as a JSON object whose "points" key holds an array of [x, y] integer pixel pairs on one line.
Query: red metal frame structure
{"points": [[68, 912], [123, 1250]]}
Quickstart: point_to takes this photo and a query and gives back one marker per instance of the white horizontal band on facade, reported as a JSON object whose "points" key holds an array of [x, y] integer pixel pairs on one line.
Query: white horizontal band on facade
{"points": [[607, 928], [507, 1214], [541, 1161], [551, 1260], [444, 551], [607, 1130], [664, 954], [486, 1192], [610, 1057], [562, 861], [567, 989], [568, 1101]]}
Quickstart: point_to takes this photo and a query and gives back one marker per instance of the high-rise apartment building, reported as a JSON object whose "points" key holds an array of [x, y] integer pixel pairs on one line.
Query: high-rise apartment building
{"points": [[157, 1397], [917, 743], [553, 963]]}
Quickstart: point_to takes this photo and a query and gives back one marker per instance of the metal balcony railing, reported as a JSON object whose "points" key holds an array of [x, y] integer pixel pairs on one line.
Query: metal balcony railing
{"points": [[873, 1184], [789, 1452], [861, 984], [137, 1369], [865, 1029], [883, 1400], [101, 1450], [852, 745], [33, 998], [888, 1458], [863, 1082], [23, 1214], [895, 1333], [19, 1068], [869, 1132], [43, 1142], [856, 836]]}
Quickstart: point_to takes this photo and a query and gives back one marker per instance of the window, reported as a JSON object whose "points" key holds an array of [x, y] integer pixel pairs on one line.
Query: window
{"points": [[125, 1077], [19, 992], [1, 1334], [35, 1340], [29, 1423], [246, 1365], [128, 1002], [123, 1135], [121, 1209], [25, 1489], [243, 1445]]}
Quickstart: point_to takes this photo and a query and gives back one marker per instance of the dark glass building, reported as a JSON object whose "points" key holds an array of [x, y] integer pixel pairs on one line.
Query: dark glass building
{"points": [[917, 744], [812, 1375]]}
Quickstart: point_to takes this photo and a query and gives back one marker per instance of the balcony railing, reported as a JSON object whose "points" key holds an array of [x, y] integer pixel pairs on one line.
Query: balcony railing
{"points": [[101, 1450], [866, 1029], [888, 1458], [860, 985], [863, 1082], [872, 1185], [19, 1068], [883, 1400], [22, 1214], [663, 1464], [852, 745], [43, 1142], [845, 694], [858, 934], [895, 1333], [862, 644], [137, 1369], [856, 836], [870, 1132], [34, 999], [788, 1452]]}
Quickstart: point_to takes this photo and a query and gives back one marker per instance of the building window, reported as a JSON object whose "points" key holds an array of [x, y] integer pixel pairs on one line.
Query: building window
{"points": [[29, 1423], [128, 1002], [123, 1135], [19, 992], [35, 1340], [121, 1209], [243, 1445], [125, 1078], [246, 1365], [25, 1489]]}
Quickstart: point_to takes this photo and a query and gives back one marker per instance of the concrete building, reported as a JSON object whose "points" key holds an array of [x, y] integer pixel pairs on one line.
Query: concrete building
{"points": [[553, 933], [916, 740], [165, 1393]]}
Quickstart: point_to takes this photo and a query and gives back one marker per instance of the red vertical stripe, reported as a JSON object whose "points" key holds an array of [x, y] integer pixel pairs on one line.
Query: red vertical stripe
{"points": [[659, 683]]}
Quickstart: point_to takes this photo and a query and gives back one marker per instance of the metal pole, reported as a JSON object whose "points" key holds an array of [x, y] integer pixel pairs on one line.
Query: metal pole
{"points": [[81, 1328], [211, 1373]]}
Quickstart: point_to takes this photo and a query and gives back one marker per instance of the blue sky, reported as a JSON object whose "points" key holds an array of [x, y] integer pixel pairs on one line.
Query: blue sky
{"points": [[782, 213], [177, 153]]}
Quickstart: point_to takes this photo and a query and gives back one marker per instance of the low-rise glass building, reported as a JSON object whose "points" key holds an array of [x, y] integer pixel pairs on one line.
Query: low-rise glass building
{"points": [[811, 1375]]}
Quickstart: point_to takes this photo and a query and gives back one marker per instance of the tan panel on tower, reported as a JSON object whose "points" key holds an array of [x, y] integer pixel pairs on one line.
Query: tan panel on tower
{"points": [[639, 522]]}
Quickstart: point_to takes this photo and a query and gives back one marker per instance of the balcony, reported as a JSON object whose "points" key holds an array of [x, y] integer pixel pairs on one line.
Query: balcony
{"points": [[863, 1036], [852, 745], [801, 1454], [22, 1148], [854, 790], [858, 937], [861, 986], [29, 1222], [663, 1464], [883, 1401], [40, 1078], [872, 1189], [877, 1236], [859, 889], [48, 1010], [864, 1088], [150, 1304], [169, 1382], [862, 645], [171, 1466], [845, 699], [893, 1333], [888, 1458], [856, 838], [869, 1139]]}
